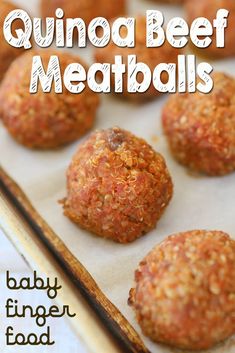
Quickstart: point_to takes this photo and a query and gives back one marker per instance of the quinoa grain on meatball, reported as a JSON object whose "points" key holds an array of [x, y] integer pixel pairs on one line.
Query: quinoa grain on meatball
{"points": [[184, 294], [44, 120], [117, 186], [200, 128]]}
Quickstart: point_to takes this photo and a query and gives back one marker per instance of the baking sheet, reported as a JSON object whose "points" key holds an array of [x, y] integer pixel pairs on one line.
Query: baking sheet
{"points": [[198, 202]]}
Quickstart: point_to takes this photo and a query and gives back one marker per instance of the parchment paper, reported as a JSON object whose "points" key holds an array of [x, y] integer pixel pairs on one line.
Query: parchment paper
{"points": [[198, 202]]}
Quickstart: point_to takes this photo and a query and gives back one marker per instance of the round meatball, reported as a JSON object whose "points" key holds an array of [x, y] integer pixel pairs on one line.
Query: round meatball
{"points": [[118, 186], [208, 9], [200, 128], [150, 56], [185, 290], [7, 52], [86, 9], [44, 120]]}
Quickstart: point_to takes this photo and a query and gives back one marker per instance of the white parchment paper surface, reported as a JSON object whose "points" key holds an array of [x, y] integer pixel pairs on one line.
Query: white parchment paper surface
{"points": [[198, 202]]}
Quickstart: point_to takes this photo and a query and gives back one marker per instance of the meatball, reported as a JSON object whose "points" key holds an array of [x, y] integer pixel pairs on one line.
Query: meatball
{"points": [[118, 186], [200, 128], [150, 56], [86, 9], [44, 120], [7, 52], [208, 9], [185, 290]]}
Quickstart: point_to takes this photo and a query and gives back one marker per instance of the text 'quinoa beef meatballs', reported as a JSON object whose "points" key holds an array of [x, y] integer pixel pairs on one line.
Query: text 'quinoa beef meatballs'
{"points": [[149, 56], [185, 290], [208, 9], [118, 186], [44, 120], [85, 9], [200, 128], [7, 52]]}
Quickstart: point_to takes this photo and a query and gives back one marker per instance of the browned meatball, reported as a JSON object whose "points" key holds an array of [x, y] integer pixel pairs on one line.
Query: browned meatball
{"points": [[208, 9], [118, 186], [44, 120], [185, 290], [86, 9], [7, 52], [150, 56], [200, 128]]}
